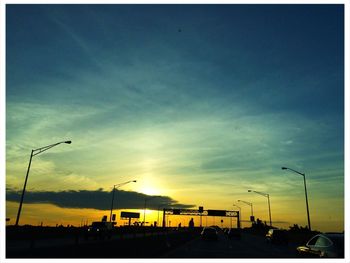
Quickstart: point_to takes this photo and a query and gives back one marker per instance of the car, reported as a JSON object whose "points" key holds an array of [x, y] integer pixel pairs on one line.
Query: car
{"points": [[217, 228], [99, 230], [325, 245], [209, 233], [277, 236], [234, 233]]}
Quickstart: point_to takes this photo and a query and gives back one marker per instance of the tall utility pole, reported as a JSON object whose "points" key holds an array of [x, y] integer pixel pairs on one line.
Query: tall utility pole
{"points": [[33, 153], [307, 203]]}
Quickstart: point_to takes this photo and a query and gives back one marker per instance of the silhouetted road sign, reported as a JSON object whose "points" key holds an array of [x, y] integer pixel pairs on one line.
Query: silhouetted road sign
{"points": [[176, 211], [216, 212], [129, 215]]}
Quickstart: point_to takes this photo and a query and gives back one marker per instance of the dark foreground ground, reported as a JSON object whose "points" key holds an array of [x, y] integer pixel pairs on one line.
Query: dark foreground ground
{"points": [[141, 243], [135, 243]]}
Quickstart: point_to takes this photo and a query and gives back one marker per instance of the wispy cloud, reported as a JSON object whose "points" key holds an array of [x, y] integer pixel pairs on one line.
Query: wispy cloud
{"points": [[207, 110], [248, 146]]}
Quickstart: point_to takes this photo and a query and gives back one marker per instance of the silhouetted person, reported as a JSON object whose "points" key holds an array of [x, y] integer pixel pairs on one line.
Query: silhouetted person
{"points": [[191, 223]]}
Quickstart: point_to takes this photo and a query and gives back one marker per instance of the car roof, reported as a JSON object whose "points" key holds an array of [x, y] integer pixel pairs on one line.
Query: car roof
{"points": [[336, 237], [209, 227]]}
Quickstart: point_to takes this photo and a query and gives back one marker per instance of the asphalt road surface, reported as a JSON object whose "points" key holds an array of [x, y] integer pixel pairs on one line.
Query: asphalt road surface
{"points": [[57, 242], [249, 246]]}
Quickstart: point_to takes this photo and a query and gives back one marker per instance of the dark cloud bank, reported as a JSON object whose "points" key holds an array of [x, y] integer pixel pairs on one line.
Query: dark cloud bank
{"points": [[96, 199]]}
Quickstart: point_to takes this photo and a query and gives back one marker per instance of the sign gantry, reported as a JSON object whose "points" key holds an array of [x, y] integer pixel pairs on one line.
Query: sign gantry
{"points": [[201, 212]]}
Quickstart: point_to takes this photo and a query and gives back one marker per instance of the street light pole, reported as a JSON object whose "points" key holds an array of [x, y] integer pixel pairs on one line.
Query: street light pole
{"points": [[33, 153], [268, 201], [116, 186], [307, 203], [248, 203]]}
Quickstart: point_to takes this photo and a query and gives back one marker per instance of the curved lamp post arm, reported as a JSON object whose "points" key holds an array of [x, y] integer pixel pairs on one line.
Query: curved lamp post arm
{"points": [[45, 148], [116, 186], [260, 193], [248, 203], [286, 168]]}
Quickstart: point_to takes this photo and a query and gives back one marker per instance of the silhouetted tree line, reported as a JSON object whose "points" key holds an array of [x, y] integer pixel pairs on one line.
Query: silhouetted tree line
{"points": [[259, 225], [297, 228]]}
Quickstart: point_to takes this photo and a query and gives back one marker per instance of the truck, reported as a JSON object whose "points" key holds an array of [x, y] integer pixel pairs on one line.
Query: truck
{"points": [[100, 230]]}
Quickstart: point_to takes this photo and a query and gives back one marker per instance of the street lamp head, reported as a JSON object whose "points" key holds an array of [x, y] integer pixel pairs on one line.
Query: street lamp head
{"points": [[68, 142], [134, 181], [249, 191], [284, 168]]}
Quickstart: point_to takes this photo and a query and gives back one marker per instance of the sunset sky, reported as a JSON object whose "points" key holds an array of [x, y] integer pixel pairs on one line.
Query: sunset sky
{"points": [[198, 103]]}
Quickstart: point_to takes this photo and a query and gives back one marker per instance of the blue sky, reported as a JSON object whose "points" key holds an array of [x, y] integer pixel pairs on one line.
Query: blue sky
{"points": [[197, 102]]}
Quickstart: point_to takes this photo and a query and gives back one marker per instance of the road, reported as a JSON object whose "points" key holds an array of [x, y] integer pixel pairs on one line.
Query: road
{"points": [[129, 245], [72, 240], [249, 246], [159, 245]]}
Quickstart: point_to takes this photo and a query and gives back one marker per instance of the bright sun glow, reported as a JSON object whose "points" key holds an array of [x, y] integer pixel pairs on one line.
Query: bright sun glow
{"points": [[150, 185], [150, 191]]}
